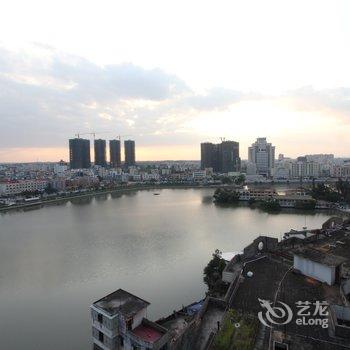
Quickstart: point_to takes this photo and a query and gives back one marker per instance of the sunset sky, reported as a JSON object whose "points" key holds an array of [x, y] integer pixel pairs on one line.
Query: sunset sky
{"points": [[172, 74]]}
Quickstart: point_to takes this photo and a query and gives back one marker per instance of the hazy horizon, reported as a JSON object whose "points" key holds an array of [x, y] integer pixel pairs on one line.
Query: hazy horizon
{"points": [[171, 75]]}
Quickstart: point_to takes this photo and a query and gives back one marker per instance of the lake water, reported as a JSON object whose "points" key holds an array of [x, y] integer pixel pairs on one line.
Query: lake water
{"points": [[55, 261]]}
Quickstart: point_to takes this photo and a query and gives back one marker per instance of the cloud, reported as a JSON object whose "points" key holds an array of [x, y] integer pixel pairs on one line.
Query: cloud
{"points": [[214, 99], [334, 101], [46, 96]]}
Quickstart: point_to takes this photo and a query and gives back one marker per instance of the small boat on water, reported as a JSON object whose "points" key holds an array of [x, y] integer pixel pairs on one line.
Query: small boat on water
{"points": [[156, 194]]}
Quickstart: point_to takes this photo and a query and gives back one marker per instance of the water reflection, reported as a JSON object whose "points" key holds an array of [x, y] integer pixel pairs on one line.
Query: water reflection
{"points": [[207, 199], [101, 197], [116, 195], [132, 193], [32, 207], [57, 260], [81, 200]]}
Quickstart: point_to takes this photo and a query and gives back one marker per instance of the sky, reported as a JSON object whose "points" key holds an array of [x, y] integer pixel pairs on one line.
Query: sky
{"points": [[172, 74]]}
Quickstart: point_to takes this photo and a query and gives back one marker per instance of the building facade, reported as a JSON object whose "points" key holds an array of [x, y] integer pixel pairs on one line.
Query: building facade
{"points": [[129, 150], [303, 168], [341, 171], [208, 155], [262, 154], [114, 153], [60, 167], [222, 157], [229, 160], [100, 152], [79, 153], [119, 322], [20, 186]]}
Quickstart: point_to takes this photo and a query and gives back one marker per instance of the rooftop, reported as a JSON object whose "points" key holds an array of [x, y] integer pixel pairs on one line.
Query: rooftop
{"points": [[122, 302], [293, 197], [318, 256], [266, 283], [338, 244], [147, 332]]}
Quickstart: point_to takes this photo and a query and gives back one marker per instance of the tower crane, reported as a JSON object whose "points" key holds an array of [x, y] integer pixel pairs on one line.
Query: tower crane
{"points": [[92, 133], [119, 137]]}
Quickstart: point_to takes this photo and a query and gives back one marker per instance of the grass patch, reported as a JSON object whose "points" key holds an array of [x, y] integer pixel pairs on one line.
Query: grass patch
{"points": [[237, 332]]}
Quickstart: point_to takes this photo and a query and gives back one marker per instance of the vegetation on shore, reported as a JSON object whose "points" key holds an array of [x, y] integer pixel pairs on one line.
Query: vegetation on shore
{"points": [[229, 180], [231, 196], [269, 205], [213, 273], [339, 193], [226, 196], [238, 332], [308, 205]]}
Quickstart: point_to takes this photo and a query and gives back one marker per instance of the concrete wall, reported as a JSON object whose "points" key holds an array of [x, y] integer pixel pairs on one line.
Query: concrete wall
{"points": [[346, 287], [267, 244], [332, 222], [228, 276], [340, 312], [109, 325], [138, 318], [108, 343], [315, 270]]}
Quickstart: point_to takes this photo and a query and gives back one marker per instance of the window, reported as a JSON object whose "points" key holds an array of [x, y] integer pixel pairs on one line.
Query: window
{"points": [[280, 346], [129, 324], [100, 337], [100, 318]]}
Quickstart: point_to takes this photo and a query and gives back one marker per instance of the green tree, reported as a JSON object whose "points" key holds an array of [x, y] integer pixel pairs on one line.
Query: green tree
{"points": [[326, 193], [213, 271], [226, 196], [227, 180], [270, 206], [343, 188], [239, 180]]}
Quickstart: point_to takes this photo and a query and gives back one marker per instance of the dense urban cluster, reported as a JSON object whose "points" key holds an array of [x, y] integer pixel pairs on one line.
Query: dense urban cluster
{"points": [[220, 164], [262, 165]]}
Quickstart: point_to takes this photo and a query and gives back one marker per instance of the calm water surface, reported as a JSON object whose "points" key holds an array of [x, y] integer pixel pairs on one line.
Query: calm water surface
{"points": [[55, 261]]}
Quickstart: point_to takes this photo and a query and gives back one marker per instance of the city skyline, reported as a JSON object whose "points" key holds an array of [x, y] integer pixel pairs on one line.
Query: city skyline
{"points": [[118, 160], [174, 86]]}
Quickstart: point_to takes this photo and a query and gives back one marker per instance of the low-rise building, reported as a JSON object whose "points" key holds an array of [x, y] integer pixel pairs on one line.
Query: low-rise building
{"points": [[16, 187], [119, 322], [318, 265], [199, 175], [293, 200], [258, 194], [60, 168], [340, 171]]}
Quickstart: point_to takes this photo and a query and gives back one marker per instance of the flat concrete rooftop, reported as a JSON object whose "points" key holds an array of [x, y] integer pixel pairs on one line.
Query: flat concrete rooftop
{"points": [[266, 283], [121, 302], [318, 256], [147, 333]]}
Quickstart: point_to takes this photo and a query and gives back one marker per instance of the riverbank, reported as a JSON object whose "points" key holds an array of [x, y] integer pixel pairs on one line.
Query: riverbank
{"points": [[127, 189], [99, 193], [270, 201]]}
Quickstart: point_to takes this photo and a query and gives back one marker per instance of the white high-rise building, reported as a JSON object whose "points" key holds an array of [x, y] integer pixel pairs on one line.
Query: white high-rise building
{"points": [[262, 154]]}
